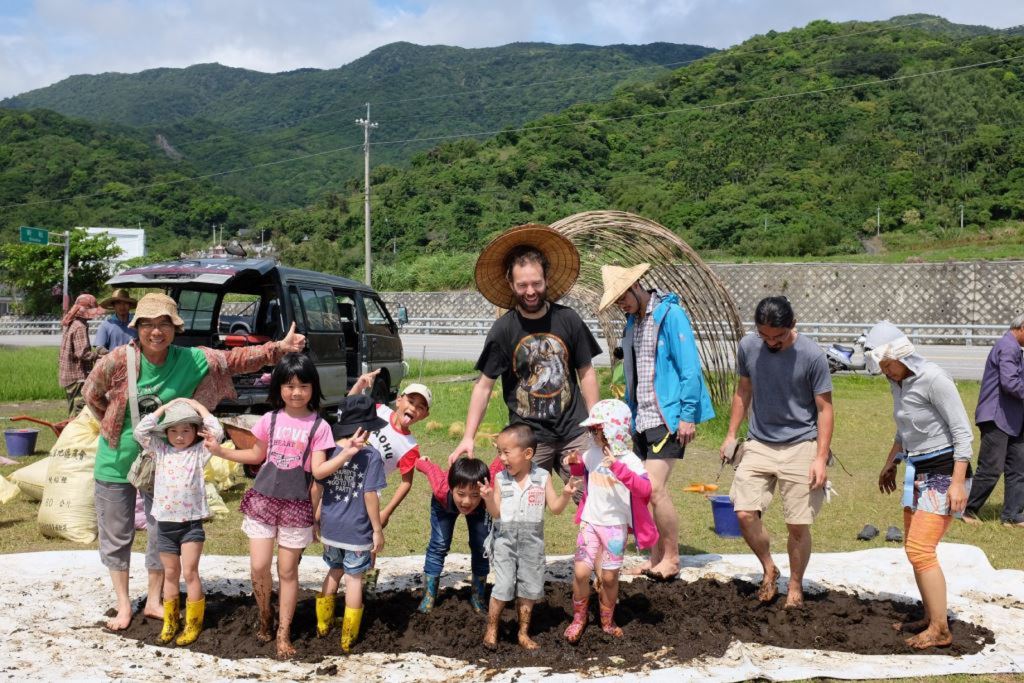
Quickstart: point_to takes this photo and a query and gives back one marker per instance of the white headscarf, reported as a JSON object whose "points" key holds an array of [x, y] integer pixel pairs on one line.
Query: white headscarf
{"points": [[885, 341]]}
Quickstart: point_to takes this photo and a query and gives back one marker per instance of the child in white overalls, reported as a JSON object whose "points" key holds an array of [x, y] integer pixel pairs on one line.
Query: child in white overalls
{"points": [[516, 544]]}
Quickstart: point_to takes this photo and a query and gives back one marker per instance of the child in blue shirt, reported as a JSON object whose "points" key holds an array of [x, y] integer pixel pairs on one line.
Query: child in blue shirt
{"points": [[348, 509]]}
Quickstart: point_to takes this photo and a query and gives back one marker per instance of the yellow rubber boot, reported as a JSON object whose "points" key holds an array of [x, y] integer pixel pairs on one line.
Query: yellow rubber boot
{"points": [[194, 613], [350, 627], [172, 621], [324, 614]]}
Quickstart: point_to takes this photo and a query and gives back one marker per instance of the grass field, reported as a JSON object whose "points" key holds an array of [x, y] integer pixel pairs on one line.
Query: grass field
{"points": [[862, 438]]}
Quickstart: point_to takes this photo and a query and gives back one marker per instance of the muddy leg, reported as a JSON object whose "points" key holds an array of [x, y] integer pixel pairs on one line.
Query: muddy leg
{"points": [[288, 595], [799, 547], [493, 620], [261, 553], [759, 542], [525, 609]]}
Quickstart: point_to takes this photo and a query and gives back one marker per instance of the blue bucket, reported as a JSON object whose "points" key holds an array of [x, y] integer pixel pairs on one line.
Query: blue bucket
{"points": [[20, 441], [726, 522]]}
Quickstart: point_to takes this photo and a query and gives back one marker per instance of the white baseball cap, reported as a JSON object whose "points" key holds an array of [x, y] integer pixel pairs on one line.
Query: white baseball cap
{"points": [[420, 389]]}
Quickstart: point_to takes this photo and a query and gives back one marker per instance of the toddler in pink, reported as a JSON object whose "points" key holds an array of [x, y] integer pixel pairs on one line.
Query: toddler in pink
{"points": [[616, 492]]}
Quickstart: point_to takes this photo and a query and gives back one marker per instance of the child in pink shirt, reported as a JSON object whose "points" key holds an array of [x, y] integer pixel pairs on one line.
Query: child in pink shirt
{"points": [[615, 497]]}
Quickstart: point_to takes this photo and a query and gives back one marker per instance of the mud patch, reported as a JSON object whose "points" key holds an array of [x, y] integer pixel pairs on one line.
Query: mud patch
{"points": [[664, 624]]}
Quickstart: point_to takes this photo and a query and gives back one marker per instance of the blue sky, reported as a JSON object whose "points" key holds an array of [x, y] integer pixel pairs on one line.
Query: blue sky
{"points": [[44, 41]]}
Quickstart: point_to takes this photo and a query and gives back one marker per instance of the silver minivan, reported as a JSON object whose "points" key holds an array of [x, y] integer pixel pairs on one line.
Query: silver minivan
{"points": [[348, 328]]}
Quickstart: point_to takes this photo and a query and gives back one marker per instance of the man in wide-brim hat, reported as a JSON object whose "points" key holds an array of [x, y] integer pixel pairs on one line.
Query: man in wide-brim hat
{"points": [[115, 330], [542, 351], [665, 390]]}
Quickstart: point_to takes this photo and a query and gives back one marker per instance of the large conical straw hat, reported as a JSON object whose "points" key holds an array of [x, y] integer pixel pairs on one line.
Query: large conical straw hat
{"points": [[492, 265]]}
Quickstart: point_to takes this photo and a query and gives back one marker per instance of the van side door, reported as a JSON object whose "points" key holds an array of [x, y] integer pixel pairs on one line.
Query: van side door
{"points": [[383, 347], [321, 324]]}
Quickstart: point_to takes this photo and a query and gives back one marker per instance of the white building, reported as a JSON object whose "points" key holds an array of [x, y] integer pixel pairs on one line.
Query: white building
{"points": [[131, 240]]}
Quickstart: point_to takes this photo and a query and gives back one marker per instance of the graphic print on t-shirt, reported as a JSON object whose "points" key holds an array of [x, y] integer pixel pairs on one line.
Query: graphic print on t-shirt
{"points": [[346, 483], [541, 364]]}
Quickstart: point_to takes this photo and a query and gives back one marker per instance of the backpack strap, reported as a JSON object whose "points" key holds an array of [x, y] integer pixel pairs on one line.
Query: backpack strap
{"points": [[309, 442], [133, 388]]}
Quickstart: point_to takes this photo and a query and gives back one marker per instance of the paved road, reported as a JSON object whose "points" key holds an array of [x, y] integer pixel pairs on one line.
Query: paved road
{"points": [[962, 362]]}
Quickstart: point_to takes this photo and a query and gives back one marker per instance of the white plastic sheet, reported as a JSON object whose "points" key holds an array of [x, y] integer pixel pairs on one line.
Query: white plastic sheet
{"points": [[64, 641]]}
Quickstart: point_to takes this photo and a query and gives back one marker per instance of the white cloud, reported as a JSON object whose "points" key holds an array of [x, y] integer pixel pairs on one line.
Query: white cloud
{"points": [[57, 38]]}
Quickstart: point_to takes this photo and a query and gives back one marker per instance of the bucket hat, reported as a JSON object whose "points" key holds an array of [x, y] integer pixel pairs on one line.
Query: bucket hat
{"points": [[179, 413], [492, 265], [617, 280], [153, 306], [357, 412], [118, 295]]}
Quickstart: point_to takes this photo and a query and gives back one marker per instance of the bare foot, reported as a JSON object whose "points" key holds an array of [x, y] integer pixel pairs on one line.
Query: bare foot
{"points": [[264, 631], [638, 569], [931, 637], [666, 570], [769, 589], [153, 613], [285, 649], [911, 626], [121, 620], [971, 519], [794, 600], [491, 639], [526, 642]]}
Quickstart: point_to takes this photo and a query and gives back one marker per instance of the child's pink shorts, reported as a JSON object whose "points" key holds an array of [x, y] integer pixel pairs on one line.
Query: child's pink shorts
{"points": [[595, 537]]}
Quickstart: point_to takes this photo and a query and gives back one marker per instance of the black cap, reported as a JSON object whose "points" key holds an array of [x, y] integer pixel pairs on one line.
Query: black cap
{"points": [[355, 412]]}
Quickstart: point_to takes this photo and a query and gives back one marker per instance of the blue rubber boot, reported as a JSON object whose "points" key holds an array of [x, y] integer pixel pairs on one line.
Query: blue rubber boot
{"points": [[478, 594], [429, 593]]}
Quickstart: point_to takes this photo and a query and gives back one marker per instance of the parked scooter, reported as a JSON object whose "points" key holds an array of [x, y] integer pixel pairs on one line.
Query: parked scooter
{"points": [[846, 358]]}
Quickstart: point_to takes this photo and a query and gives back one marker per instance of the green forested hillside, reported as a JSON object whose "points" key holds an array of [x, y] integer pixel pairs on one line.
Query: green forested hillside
{"points": [[782, 146], [788, 145], [219, 118], [57, 173]]}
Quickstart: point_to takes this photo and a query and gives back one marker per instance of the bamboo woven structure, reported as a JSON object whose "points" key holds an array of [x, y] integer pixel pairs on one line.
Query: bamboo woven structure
{"points": [[625, 239]]}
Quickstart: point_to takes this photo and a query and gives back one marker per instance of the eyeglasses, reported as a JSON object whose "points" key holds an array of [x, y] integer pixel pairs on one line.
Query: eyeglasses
{"points": [[149, 327], [775, 338]]}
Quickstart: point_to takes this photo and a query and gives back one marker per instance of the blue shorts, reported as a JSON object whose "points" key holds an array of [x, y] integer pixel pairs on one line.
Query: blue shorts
{"points": [[352, 562]]}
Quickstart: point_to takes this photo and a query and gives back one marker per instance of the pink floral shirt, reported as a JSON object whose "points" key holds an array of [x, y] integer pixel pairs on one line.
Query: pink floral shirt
{"points": [[179, 492]]}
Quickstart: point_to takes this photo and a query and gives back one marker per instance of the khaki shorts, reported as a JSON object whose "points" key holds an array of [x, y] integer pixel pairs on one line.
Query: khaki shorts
{"points": [[763, 465]]}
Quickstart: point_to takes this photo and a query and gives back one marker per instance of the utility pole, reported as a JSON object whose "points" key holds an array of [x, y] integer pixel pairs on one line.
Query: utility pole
{"points": [[66, 299], [366, 125], [878, 221], [961, 216]]}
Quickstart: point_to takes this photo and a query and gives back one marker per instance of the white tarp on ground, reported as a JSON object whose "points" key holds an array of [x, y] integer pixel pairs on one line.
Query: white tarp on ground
{"points": [[52, 602]]}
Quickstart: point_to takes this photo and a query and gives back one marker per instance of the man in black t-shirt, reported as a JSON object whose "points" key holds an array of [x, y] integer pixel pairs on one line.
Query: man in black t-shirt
{"points": [[541, 351]]}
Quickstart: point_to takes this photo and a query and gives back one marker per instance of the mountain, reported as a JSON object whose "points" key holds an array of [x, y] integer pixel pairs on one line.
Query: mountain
{"points": [[221, 118], [790, 144], [60, 172]]}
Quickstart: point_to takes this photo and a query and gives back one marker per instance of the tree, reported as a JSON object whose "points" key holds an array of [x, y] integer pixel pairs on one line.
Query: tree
{"points": [[36, 269]]}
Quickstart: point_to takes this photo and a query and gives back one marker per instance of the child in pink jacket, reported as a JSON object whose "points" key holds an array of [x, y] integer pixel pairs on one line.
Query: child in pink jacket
{"points": [[615, 497]]}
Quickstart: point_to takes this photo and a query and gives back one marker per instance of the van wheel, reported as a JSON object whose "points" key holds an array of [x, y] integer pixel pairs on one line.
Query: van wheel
{"points": [[239, 328], [381, 392]]}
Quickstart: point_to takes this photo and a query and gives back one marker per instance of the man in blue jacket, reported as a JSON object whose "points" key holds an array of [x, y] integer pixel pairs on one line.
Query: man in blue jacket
{"points": [[665, 390]]}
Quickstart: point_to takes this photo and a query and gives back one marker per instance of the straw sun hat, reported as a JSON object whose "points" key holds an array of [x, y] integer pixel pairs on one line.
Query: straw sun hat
{"points": [[617, 280], [118, 295], [492, 265], [153, 306]]}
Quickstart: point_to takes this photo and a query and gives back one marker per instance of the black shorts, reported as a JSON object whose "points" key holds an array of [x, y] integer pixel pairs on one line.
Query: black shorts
{"points": [[658, 443], [170, 536]]}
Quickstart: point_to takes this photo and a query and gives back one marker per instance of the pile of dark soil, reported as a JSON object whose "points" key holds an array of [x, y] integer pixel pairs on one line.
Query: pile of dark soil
{"points": [[677, 621]]}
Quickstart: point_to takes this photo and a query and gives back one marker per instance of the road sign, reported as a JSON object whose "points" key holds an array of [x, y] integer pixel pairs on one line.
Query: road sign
{"points": [[35, 235]]}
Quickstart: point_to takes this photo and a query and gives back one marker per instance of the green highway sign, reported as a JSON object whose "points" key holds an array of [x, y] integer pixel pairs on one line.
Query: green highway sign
{"points": [[35, 235]]}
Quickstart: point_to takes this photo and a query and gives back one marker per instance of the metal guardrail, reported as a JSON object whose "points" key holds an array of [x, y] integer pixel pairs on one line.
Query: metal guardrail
{"points": [[967, 335]]}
